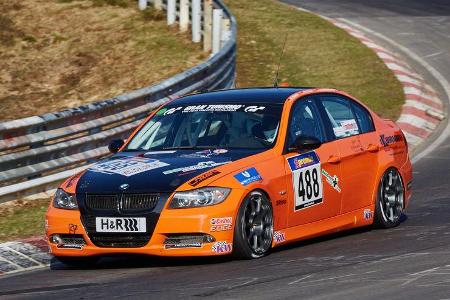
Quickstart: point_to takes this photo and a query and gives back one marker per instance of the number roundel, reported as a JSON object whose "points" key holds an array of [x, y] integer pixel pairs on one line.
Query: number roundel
{"points": [[308, 188]]}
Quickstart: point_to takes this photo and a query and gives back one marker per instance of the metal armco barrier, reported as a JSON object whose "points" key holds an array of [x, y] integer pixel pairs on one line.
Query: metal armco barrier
{"points": [[37, 152]]}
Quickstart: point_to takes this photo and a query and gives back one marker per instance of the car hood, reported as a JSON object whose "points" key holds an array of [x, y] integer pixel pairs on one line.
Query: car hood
{"points": [[155, 171]]}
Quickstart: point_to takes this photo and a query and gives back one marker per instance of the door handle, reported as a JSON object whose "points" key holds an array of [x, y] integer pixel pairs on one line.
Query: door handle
{"points": [[373, 148], [334, 159]]}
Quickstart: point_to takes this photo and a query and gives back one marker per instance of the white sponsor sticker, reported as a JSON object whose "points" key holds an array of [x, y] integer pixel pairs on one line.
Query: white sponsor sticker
{"points": [[120, 224], [201, 165], [221, 224], [346, 128], [127, 166]]}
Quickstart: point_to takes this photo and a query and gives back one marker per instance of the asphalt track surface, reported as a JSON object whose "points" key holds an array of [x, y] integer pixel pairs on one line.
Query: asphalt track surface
{"points": [[411, 261]]}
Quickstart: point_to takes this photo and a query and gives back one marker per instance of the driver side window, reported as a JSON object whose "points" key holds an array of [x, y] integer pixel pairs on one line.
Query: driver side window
{"points": [[304, 121]]}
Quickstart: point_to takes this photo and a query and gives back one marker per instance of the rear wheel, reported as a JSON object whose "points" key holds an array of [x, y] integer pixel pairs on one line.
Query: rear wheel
{"points": [[253, 232], [390, 200]]}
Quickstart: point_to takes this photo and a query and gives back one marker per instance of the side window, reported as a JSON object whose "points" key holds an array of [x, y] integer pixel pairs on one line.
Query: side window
{"points": [[340, 115], [364, 119], [304, 121]]}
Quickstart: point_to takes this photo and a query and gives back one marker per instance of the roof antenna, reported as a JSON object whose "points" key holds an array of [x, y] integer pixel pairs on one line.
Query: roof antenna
{"points": [[275, 84]]}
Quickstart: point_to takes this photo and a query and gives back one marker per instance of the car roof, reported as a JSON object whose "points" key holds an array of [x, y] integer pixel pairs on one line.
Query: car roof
{"points": [[242, 95]]}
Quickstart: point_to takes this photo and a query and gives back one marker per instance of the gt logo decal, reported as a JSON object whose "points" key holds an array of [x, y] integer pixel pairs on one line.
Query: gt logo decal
{"points": [[308, 187], [254, 108]]}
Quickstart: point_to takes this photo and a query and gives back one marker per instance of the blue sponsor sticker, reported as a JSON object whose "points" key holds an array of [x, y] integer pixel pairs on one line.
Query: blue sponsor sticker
{"points": [[303, 160], [248, 176]]}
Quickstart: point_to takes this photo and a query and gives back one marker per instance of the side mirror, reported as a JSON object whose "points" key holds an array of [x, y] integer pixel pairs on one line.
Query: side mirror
{"points": [[305, 143], [115, 145]]}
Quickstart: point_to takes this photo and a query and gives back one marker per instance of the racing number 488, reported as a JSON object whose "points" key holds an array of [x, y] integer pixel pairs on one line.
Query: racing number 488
{"points": [[307, 186]]}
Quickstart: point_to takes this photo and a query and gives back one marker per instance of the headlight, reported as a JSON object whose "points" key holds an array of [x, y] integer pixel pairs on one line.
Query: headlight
{"points": [[201, 197], [64, 200]]}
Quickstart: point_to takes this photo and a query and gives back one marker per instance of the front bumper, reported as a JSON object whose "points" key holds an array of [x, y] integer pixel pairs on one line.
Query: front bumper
{"points": [[170, 222]]}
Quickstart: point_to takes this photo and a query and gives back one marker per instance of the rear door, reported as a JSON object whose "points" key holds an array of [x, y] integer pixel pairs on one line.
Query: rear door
{"points": [[357, 144], [312, 195]]}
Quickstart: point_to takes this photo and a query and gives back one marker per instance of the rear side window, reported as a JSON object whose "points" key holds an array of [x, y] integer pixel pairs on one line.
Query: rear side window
{"points": [[340, 114], [364, 119]]}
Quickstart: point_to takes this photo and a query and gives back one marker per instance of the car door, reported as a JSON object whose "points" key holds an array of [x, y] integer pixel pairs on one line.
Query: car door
{"points": [[357, 144], [311, 194]]}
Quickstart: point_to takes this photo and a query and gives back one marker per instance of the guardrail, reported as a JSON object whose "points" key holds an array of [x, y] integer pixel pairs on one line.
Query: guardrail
{"points": [[37, 152]]}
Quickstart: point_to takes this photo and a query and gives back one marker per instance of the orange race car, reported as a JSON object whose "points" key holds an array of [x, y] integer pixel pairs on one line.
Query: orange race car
{"points": [[235, 171]]}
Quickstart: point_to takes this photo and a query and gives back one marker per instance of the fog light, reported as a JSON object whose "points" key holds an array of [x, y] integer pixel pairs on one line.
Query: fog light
{"points": [[56, 239], [71, 241], [187, 240]]}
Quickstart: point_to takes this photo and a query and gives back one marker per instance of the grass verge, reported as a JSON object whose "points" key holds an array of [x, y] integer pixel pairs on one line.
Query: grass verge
{"points": [[56, 54], [22, 219], [317, 54]]}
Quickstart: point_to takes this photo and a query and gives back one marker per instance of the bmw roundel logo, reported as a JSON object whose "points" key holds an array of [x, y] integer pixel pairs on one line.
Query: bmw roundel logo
{"points": [[124, 186]]}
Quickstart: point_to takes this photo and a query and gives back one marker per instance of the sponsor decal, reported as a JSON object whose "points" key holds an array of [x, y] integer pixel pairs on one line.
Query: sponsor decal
{"points": [[222, 247], [73, 228], [368, 214], [281, 202], [390, 139], [346, 128], [183, 245], [201, 165], [205, 153], [212, 107], [160, 152], [332, 180], [248, 176], [303, 161], [279, 237], [221, 224], [306, 179], [254, 108], [199, 179], [127, 166]]}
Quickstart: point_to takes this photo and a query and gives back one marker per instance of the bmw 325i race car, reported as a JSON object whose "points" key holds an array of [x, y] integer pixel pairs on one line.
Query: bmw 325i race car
{"points": [[236, 171]]}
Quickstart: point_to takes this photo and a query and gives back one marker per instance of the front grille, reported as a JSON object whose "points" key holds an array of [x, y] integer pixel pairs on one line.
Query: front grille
{"points": [[120, 240], [120, 205], [125, 202]]}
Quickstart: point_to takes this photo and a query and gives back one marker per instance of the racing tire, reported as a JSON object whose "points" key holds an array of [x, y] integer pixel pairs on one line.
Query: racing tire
{"points": [[80, 262], [253, 232], [390, 200]]}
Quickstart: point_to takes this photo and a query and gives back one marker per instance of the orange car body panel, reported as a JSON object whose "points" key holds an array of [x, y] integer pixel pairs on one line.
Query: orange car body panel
{"points": [[358, 161]]}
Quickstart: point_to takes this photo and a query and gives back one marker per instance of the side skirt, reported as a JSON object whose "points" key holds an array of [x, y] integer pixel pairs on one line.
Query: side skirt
{"points": [[357, 218]]}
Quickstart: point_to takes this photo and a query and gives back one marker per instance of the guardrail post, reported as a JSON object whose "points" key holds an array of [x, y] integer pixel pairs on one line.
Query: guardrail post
{"points": [[142, 4], [196, 21], [207, 25], [217, 24], [184, 15], [171, 12], [226, 32], [157, 4]]}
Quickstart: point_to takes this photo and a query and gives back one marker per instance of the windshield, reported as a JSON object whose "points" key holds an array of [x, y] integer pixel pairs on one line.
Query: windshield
{"points": [[209, 126]]}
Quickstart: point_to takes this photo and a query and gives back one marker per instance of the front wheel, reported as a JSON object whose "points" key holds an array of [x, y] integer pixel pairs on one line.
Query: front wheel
{"points": [[253, 232], [390, 200]]}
